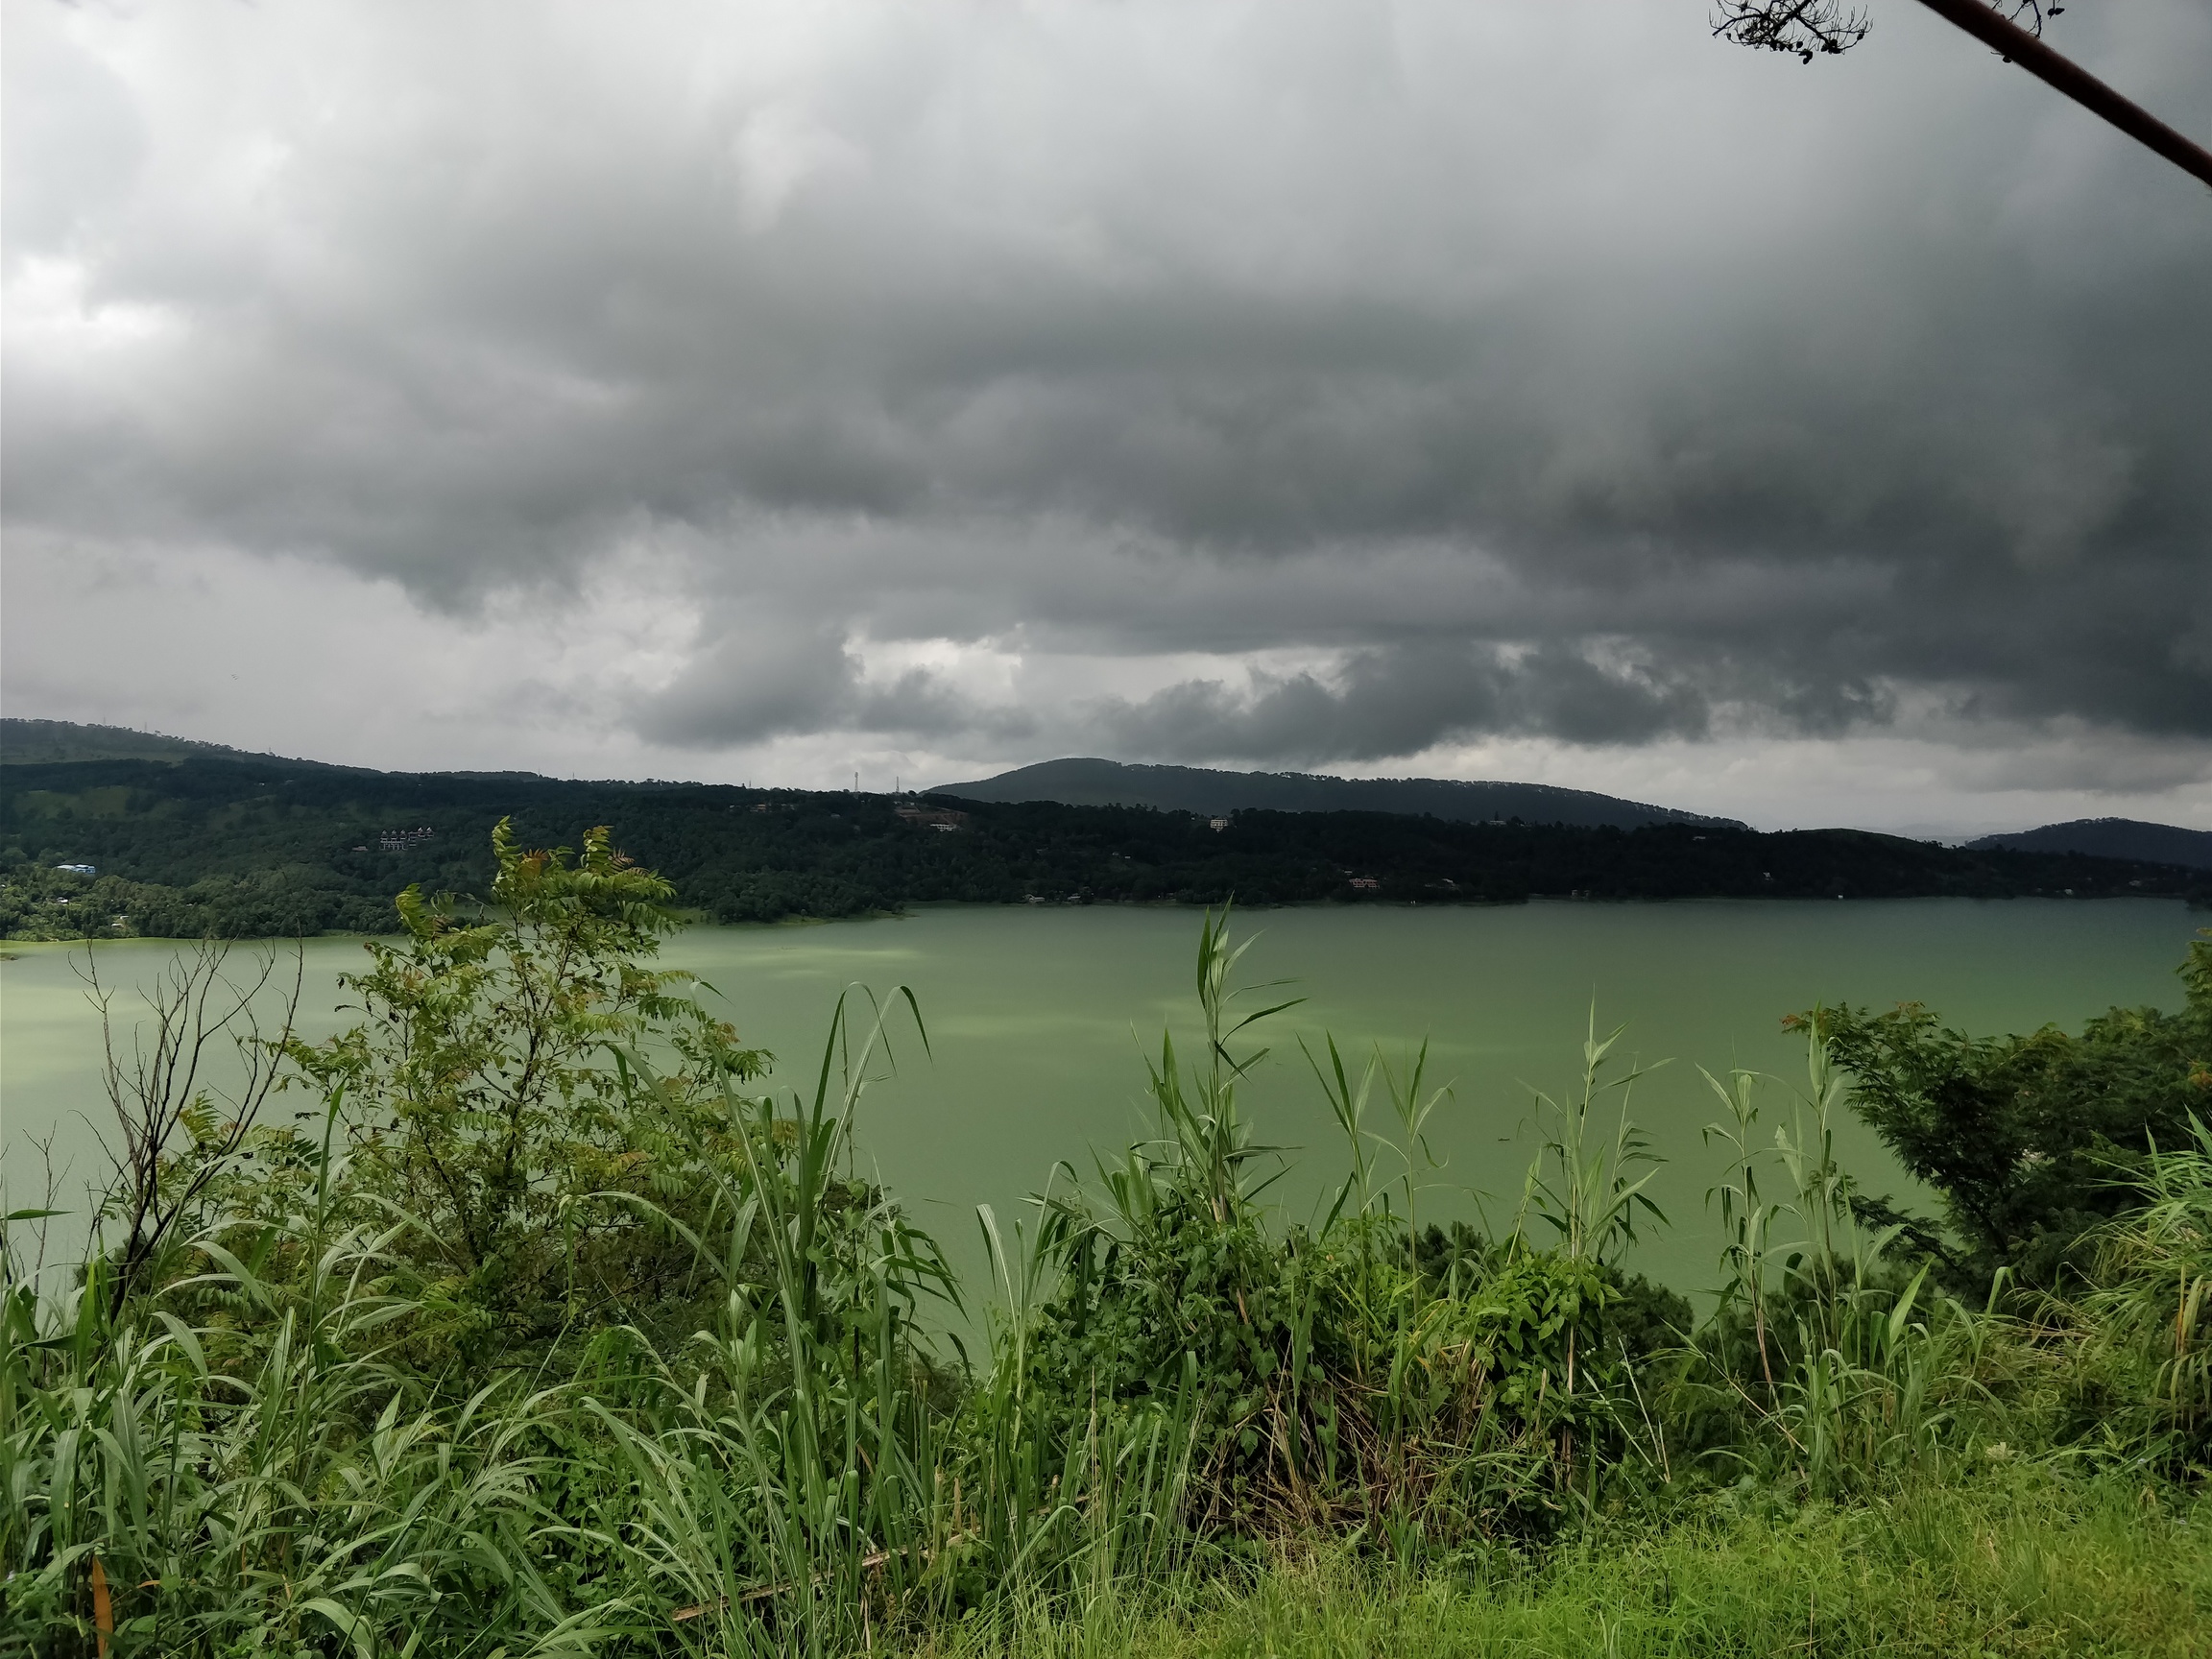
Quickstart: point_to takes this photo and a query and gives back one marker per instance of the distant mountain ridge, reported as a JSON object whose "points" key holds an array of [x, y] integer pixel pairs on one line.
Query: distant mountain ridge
{"points": [[44, 742], [61, 742], [2110, 838], [1093, 783], [189, 841]]}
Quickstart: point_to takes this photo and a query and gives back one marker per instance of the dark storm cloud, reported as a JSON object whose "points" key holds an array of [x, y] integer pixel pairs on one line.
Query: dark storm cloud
{"points": [[1555, 373], [1400, 702], [766, 678]]}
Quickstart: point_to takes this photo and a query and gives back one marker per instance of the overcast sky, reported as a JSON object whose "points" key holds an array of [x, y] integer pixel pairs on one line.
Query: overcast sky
{"points": [[1531, 389]]}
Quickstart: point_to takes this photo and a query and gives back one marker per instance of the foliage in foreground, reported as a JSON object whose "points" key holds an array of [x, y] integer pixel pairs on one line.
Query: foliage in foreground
{"points": [[2036, 1142], [545, 1334], [1996, 1565]]}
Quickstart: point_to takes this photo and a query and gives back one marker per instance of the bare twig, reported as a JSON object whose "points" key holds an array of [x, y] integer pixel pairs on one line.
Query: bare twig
{"points": [[197, 1010]]}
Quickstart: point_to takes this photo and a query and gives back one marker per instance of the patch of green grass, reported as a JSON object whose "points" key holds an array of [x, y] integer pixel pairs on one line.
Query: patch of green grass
{"points": [[2027, 1565]]}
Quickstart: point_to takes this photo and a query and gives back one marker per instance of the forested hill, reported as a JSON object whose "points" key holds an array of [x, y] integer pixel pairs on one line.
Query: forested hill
{"points": [[2114, 838], [31, 742], [1087, 782], [245, 846]]}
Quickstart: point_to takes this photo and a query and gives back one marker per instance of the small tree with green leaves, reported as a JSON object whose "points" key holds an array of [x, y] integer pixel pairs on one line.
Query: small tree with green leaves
{"points": [[2035, 1142], [482, 1102]]}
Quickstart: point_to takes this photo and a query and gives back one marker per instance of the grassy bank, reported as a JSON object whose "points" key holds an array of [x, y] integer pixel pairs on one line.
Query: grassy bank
{"points": [[2030, 1565], [517, 1319]]}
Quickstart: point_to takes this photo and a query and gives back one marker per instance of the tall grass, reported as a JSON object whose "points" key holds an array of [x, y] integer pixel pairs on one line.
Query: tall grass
{"points": [[2149, 1318], [1849, 1367], [1178, 1392], [172, 1489]]}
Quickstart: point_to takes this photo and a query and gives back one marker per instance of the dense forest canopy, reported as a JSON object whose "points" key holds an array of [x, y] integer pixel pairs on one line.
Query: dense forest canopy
{"points": [[1077, 782], [245, 846]]}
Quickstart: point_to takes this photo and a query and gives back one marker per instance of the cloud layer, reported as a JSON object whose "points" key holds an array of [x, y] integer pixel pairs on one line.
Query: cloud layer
{"points": [[1311, 382]]}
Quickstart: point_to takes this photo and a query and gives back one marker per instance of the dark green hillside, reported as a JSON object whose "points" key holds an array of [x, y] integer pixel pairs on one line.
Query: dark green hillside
{"points": [[41, 742], [241, 845], [1091, 782], [2114, 838]]}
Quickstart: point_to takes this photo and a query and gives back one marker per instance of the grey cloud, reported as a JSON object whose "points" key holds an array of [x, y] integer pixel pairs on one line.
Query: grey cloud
{"points": [[1602, 392], [1400, 703], [752, 683], [765, 677], [63, 103]]}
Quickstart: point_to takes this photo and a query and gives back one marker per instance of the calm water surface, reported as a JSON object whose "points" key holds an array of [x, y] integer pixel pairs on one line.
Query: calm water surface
{"points": [[1038, 1020]]}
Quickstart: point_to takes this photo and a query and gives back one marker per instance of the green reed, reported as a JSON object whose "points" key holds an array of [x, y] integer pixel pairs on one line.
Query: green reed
{"points": [[1175, 1385]]}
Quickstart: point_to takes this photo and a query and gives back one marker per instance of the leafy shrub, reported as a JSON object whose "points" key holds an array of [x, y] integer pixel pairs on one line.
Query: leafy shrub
{"points": [[2024, 1136], [479, 1102]]}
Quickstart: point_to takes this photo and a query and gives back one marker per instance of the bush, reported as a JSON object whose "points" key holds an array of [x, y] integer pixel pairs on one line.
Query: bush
{"points": [[2035, 1142]]}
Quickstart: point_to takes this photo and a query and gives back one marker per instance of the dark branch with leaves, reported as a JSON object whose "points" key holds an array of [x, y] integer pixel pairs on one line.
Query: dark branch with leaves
{"points": [[1805, 28], [2011, 28]]}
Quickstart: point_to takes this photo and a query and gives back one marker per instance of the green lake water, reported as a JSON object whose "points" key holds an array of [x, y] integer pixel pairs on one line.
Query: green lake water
{"points": [[1039, 1019]]}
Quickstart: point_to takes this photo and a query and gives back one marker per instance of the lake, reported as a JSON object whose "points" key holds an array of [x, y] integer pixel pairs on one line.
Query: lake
{"points": [[1038, 1017]]}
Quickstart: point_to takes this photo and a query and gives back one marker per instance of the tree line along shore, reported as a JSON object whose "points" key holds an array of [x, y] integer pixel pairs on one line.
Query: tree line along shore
{"points": [[246, 848]]}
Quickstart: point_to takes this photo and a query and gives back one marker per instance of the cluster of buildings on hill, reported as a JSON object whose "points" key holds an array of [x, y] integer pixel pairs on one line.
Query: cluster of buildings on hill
{"points": [[400, 840], [932, 817]]}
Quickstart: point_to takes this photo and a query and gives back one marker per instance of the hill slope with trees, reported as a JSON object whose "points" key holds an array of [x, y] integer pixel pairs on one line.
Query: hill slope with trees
{"points": [[1088, 783], [2112, 838]]}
